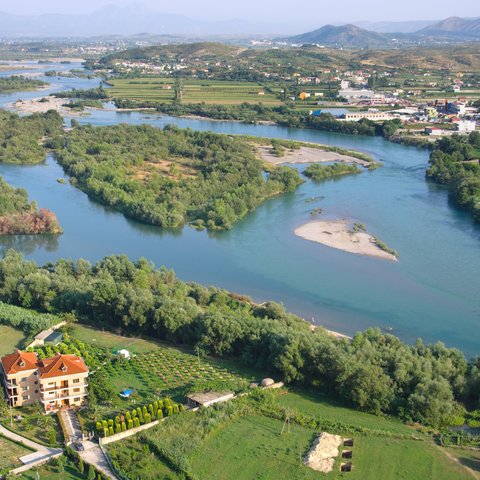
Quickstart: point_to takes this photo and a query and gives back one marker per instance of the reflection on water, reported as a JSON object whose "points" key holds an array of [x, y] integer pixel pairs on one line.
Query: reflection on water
{"points": [[27, 244]]}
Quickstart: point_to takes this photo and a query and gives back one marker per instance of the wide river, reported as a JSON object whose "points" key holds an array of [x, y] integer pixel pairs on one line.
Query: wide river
{"points": [[433, 292]]}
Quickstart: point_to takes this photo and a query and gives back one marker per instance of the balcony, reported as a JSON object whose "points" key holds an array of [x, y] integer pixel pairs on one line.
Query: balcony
{"points": [[62, 387], [47, 400]]}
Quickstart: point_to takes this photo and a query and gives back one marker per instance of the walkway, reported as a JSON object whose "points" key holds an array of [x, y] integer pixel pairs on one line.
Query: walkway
{"points": [[41, 455], [93, 454], [72, 425]]}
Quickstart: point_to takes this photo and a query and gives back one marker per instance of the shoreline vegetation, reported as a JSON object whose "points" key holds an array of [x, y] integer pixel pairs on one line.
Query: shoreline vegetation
{"points": [[375, 372], [18, 216], [342, 235], [16, 83]]}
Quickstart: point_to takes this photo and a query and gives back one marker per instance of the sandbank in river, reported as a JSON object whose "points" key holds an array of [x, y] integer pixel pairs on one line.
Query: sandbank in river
{"points": [[339, 234]]}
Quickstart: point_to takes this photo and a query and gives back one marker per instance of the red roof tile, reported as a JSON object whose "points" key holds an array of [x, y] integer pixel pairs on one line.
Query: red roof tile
{"points": [[61, 365], [19, 362]]}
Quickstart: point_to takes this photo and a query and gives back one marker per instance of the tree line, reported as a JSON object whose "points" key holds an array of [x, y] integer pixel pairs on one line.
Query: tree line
{"points": [[16, 83], [455, 162], [374, 372]]}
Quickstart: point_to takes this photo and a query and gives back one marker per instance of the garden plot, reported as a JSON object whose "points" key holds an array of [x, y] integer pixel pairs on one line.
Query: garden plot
{"points": [[167, 372]]}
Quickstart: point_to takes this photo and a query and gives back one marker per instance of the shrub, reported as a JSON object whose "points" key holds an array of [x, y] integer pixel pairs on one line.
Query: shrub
{"points": [[130, 423], [136, 422], [148, 418], [124, 427], [159, 414]]}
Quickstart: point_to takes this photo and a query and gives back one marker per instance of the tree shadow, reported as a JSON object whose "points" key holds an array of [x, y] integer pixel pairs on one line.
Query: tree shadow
{"points": [[473, 463]]}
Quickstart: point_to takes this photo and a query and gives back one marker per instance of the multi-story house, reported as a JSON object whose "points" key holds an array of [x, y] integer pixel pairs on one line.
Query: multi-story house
{"points": [[60, 381]]}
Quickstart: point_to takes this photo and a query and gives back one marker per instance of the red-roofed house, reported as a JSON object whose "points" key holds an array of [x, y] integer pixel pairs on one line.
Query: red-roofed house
{"points": [[55, 382]]}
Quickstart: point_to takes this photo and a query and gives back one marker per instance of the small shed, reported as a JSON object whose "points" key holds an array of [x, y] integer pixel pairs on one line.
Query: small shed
{"points": [[54, 338], [205, 399]]}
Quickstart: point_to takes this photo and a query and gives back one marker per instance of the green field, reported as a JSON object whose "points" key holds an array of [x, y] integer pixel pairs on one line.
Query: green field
{"points": [[252, 447], [11, 452], [318, 405], [10, 338], [161, 89], [113, 341]]}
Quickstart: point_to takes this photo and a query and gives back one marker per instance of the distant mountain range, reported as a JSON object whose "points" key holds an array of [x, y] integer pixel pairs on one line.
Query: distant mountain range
{"points": [[341, 35], [125, 21], [135, 20], [453, 28]]}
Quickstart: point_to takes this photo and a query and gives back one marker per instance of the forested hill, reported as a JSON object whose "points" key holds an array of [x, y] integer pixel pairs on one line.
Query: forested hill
{"points": [[170, 177], [374, 372], [455, 162]]}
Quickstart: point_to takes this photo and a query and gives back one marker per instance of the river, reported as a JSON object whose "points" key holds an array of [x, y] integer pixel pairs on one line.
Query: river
{"points": [[432, 292]]}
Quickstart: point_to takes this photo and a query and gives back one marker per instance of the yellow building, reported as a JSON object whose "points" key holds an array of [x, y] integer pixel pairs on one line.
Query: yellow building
{"points": [[60, 381]]}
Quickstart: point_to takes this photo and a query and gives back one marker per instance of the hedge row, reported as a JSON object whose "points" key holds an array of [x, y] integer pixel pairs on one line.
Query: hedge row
{"points": [[138, 416]]}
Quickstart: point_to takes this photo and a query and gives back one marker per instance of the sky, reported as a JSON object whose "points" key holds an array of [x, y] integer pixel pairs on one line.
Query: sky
{"points": [[318, 11]]}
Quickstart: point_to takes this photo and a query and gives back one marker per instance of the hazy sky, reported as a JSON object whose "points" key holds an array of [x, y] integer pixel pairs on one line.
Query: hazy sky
{"points": [[320, 11]]}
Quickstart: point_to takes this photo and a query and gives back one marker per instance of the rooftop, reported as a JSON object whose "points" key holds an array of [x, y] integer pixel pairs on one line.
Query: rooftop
{"points": [[19, 362]]}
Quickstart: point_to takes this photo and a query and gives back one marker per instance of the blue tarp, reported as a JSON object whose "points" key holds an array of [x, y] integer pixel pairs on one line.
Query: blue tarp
{"points": [[126, 393]]}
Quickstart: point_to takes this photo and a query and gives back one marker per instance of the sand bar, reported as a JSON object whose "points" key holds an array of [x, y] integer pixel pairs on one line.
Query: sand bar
{"points": [[308, 155], [338, 234]]}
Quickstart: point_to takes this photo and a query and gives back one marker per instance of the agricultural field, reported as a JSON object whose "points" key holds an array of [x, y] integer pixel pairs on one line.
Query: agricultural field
{"points": [[10, 453], [316, 404], [162, 89], [244, 445], [468, 457], [157, 369], [10, 338], [167, 372], [252, 447]]}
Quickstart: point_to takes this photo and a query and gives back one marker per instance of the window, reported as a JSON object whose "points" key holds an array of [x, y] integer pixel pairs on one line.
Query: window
{"points": [[36, 382], [77, 399], [35, 372], [24, 379], [76, 390], [76, 380], [25, 397], [24, 389]]}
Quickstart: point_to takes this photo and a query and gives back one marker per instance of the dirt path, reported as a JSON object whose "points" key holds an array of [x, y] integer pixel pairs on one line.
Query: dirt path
{"points": [[472, 472]]}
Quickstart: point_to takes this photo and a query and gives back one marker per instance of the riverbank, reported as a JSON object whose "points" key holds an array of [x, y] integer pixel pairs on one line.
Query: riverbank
{"points": [[340, 234], [307, 155]]}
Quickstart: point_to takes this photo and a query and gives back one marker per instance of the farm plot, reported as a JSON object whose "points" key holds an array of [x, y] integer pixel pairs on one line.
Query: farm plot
{"points": [[161, 89], [167, 372]]}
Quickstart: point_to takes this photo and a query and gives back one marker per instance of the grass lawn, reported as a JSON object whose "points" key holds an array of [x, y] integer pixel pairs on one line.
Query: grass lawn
{"points": [[50, 472], [131, 456], [387, 458], [252, 448], [112, 341], [10, 453], [318, 405], [36, 426], [10, 338]]}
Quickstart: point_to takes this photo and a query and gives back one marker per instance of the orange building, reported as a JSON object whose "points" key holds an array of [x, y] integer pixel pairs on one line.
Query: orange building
{"points": [[60, 381]]}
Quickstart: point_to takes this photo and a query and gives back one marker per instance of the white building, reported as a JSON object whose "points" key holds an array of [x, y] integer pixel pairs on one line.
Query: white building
{"points": [[465, 126]]}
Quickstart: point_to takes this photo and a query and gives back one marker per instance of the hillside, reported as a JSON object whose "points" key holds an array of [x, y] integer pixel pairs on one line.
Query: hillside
{"points": [[454, 26], [342, 35]]}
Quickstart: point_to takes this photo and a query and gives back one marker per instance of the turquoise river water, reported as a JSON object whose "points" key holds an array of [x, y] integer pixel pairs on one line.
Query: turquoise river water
{"points": [[432, 292]]}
